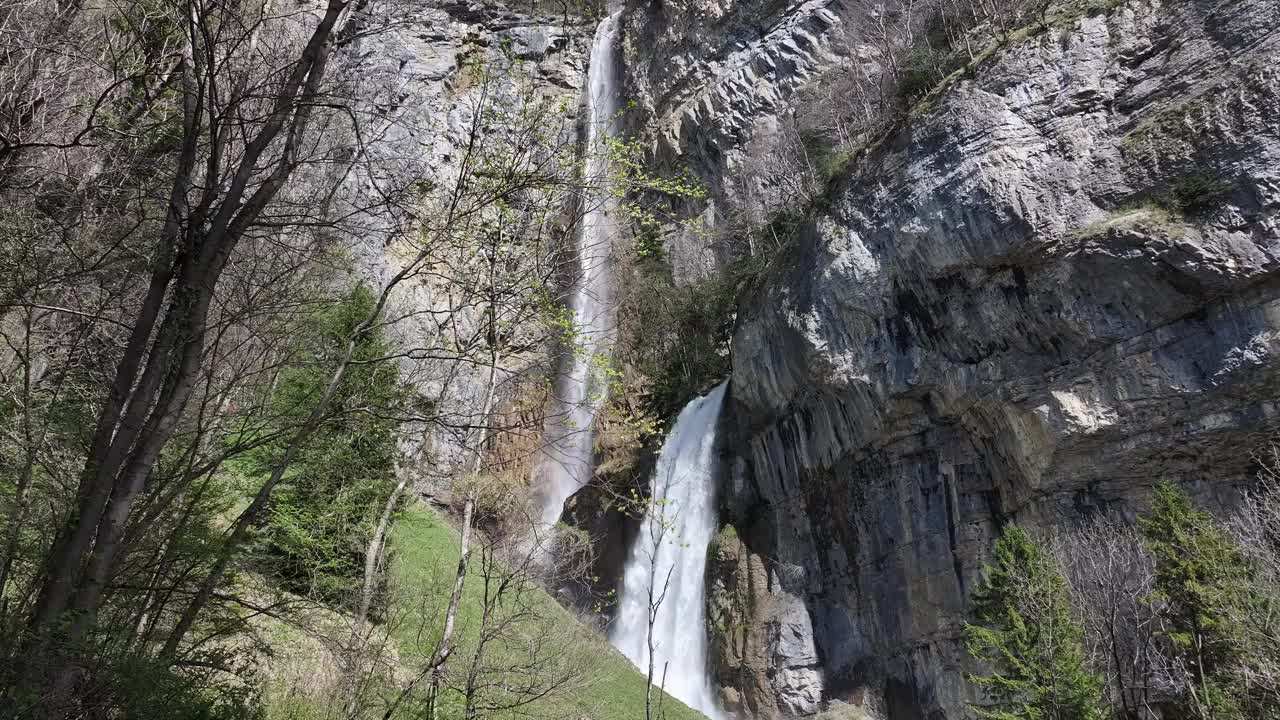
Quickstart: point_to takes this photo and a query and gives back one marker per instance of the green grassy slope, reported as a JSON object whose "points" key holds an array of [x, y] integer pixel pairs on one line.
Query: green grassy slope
{"points": [[424, 556]]}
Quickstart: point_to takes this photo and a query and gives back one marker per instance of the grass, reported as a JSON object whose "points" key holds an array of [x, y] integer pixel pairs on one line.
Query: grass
{"points": [[424, 556], [1148, 214]]}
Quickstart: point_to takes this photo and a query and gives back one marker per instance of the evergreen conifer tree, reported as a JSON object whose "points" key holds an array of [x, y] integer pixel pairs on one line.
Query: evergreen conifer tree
{"points": [[1025, 633], [323, 513], [1206, 591]]}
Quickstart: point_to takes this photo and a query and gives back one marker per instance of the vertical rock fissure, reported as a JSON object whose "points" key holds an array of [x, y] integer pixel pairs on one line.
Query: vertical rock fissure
{"points": [[949, 494]]}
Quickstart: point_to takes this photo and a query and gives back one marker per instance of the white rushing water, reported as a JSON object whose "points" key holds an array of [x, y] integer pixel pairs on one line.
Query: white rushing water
{"points": [[671, 551], [567, 465]]}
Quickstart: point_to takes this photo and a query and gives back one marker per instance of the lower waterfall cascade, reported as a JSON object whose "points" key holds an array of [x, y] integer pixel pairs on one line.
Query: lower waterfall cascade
{"points": [[669, 560]]}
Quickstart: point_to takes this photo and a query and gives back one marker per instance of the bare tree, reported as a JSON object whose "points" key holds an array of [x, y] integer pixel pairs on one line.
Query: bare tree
{"points": [[207, 217], [1255, 527], [659, 584], [1112, 583], [521, 656]]}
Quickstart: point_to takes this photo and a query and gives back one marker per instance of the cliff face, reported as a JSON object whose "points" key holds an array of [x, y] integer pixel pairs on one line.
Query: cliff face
{"points": [[703, 78], [1052, 287], [423, 73]]}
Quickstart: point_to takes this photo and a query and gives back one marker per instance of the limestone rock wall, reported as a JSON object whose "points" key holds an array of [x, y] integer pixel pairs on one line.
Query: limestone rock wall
{"points": [[420, 74], [703, 77], [1052, 288], [764, 654]]}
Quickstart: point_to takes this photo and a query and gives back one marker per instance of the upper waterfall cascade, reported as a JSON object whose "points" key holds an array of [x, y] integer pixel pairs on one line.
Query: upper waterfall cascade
{"points": [[568, 463], [669, 561]]}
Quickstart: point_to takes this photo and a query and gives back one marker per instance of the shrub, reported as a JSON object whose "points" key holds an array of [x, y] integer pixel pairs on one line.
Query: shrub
{"points": [[676, 336], [921, 71], [1197, 192]]}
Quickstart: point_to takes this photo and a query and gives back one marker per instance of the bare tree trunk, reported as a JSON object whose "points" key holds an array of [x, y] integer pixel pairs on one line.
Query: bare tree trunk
{"points": [[445, 649], [62, 565], [439, 663], [661, 698], [372, 557], [17, 512], [655, 603], [477, 660]]}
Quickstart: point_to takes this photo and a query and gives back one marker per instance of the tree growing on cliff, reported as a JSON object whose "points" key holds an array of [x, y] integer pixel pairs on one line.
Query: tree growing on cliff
{"points": [[1210, 601], [1111, 581], [1025, 632], [663, 517], [1256, 529]]}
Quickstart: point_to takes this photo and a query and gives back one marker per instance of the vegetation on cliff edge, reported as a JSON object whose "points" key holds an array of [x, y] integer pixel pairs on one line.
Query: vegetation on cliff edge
{"points": [[1174, 618]]}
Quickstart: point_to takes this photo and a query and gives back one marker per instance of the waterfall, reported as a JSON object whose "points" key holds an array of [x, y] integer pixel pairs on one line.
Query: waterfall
{"points": [[671, 551], [567, 465]]}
